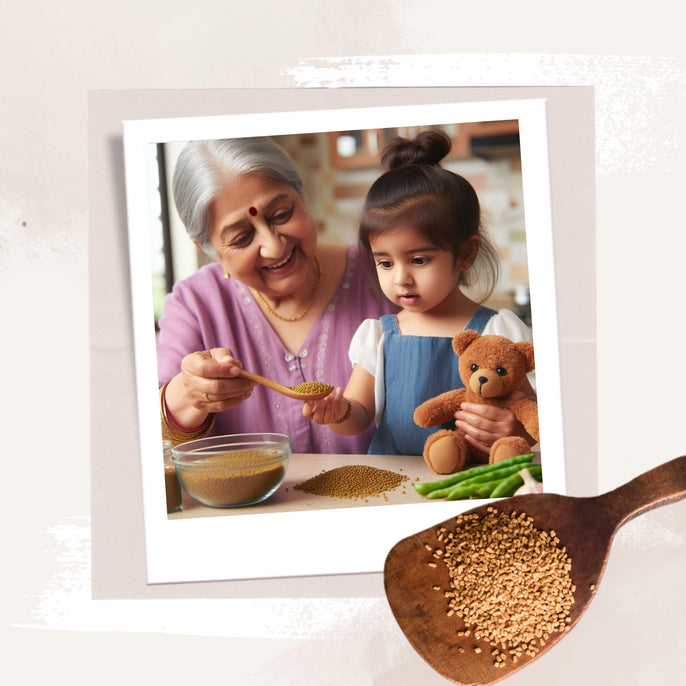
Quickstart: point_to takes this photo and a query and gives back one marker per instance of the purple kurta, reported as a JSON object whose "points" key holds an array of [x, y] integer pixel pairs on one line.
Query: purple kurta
{"points": [[207, 311]]}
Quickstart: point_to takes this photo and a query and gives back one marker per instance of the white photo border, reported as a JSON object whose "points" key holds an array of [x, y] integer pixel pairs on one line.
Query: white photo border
{"points": [[336, 541]]}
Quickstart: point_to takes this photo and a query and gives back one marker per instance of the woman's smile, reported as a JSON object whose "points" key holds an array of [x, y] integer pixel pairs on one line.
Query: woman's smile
{"points": [[284, 265]]}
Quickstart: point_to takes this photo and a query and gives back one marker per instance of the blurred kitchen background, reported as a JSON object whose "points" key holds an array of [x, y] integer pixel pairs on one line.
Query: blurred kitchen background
{"points": [[337, 168]]}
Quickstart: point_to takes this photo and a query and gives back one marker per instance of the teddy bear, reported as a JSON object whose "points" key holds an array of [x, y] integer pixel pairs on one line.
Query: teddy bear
{"points": [[492, 368]]}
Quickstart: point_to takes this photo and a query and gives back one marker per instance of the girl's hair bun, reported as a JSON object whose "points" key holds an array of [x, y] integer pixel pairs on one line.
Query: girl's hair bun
{"points": [[427, 147]]}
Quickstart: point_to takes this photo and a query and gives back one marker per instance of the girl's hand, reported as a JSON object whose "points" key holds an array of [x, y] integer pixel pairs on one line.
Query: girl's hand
{"points": [[328, 409], [485, 424]]}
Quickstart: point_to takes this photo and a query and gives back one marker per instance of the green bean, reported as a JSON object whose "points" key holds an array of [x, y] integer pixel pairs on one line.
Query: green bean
{"points": [[478, 490], [491, 475], [488, 488], [509, 485], [427, 486], [485, 490]]}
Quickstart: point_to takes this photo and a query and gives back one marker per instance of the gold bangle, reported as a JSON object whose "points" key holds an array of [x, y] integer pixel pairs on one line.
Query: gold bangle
{"points": [[173, 432], [347, 414]]}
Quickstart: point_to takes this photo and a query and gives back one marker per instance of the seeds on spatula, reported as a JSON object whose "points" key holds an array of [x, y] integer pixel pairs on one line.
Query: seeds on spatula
{"points": [[509, 582], [312, 387]]}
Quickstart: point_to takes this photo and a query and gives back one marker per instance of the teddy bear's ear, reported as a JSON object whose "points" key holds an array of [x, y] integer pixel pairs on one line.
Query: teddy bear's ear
{"points": [[527, 351], [463, 340]]}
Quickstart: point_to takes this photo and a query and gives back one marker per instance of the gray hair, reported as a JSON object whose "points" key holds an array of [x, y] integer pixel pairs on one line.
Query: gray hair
{"points": [[203, 167]]}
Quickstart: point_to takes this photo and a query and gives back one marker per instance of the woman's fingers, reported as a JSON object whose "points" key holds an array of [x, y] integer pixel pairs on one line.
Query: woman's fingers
{"points": [[212, 364], [233, 396], [212, 382]]}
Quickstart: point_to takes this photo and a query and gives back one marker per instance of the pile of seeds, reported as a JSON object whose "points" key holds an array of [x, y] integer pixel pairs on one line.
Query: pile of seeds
{"points": [[352, 481], [221, 482], [312, 387], [510, 582]]}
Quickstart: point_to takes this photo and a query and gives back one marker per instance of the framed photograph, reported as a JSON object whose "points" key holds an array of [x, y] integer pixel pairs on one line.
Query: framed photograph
{"points": [[501, 147]]}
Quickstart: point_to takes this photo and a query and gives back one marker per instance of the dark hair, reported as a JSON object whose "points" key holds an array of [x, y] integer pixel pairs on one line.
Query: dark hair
{"points": [[414, 189]]}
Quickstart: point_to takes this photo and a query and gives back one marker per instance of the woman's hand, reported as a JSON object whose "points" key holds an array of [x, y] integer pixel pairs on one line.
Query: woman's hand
{"points": [[326, 410], [208, 382], [485, 424]]}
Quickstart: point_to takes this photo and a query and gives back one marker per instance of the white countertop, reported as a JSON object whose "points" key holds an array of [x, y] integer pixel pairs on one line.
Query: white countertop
{"points": [[303, 466]]}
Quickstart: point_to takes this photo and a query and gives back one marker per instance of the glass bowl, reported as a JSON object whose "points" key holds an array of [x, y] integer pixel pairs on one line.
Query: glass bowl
{"points": [[232, 471]]}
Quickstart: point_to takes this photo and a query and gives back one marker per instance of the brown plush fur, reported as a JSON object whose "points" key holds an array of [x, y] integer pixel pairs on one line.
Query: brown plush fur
{"points": [[492, 368]]}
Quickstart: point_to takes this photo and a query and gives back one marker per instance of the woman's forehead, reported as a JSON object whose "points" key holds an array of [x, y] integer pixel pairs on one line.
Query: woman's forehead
{"points": [[238, 196]]}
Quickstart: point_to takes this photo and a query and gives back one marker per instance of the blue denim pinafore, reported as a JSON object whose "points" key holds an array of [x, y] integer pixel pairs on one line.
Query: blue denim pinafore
{"points": [[416, 368]]}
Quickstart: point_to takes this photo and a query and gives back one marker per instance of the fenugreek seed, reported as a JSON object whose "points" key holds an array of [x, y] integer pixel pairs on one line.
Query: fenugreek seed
{"points": [[477, 649], [352, 482], [312, 387], [509, 579], [431, 564]]}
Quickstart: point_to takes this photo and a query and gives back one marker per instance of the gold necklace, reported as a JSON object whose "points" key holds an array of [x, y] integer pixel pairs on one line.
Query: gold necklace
{"points": [[260, 297]]}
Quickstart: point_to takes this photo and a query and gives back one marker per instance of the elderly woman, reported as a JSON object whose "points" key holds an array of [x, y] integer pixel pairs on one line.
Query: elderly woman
{"points": [[273, 301]]}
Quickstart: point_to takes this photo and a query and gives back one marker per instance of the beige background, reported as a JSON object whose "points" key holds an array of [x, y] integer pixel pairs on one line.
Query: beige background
{"points": [[53, 54]]}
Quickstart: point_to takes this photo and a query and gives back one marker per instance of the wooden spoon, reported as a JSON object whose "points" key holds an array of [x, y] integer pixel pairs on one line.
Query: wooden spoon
{"points": [[586, 526], [291, 391]]}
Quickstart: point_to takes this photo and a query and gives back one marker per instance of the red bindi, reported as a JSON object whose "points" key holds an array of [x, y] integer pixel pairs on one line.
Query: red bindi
{"points": [[252, 211]]}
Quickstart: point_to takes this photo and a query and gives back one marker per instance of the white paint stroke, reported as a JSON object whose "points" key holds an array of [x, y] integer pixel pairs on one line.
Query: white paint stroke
{"points": [[635, 127], [65, 603]]}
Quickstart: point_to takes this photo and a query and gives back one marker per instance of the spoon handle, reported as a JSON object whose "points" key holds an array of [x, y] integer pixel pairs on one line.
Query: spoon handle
{"points": [[280, 388], [660, 486]]}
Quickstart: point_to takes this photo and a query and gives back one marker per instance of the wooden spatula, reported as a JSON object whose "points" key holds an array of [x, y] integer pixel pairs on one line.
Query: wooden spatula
{"points": [[585, 526]]}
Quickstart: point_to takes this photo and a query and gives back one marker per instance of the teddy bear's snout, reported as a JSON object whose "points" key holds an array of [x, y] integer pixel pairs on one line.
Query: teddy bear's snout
{"points": [[487, 383]]}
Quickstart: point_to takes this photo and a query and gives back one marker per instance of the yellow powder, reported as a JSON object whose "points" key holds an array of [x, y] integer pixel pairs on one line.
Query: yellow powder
{"points": [[243, 478]]}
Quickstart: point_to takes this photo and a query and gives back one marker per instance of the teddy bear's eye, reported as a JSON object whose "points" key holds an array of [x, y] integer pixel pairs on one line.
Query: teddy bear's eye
{"points": [[474, 367], [501, 371]]}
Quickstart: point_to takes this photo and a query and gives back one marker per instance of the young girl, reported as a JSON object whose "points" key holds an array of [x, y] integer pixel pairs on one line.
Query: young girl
{"points": [[421, 227]]}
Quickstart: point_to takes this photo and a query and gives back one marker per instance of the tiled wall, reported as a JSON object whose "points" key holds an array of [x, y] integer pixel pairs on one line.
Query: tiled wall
{"points": [[335, 198]]}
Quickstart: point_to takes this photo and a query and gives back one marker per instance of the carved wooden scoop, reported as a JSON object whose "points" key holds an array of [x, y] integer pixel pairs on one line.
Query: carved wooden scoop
{"points": [[586, 526], [310, 390]]}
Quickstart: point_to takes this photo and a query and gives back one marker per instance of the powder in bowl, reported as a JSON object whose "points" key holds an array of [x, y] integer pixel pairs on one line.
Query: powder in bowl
{"points": [[232, 471]]}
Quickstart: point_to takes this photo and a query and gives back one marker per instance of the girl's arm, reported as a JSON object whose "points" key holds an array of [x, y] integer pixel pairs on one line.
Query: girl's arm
{"points": [[348, 412]]}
